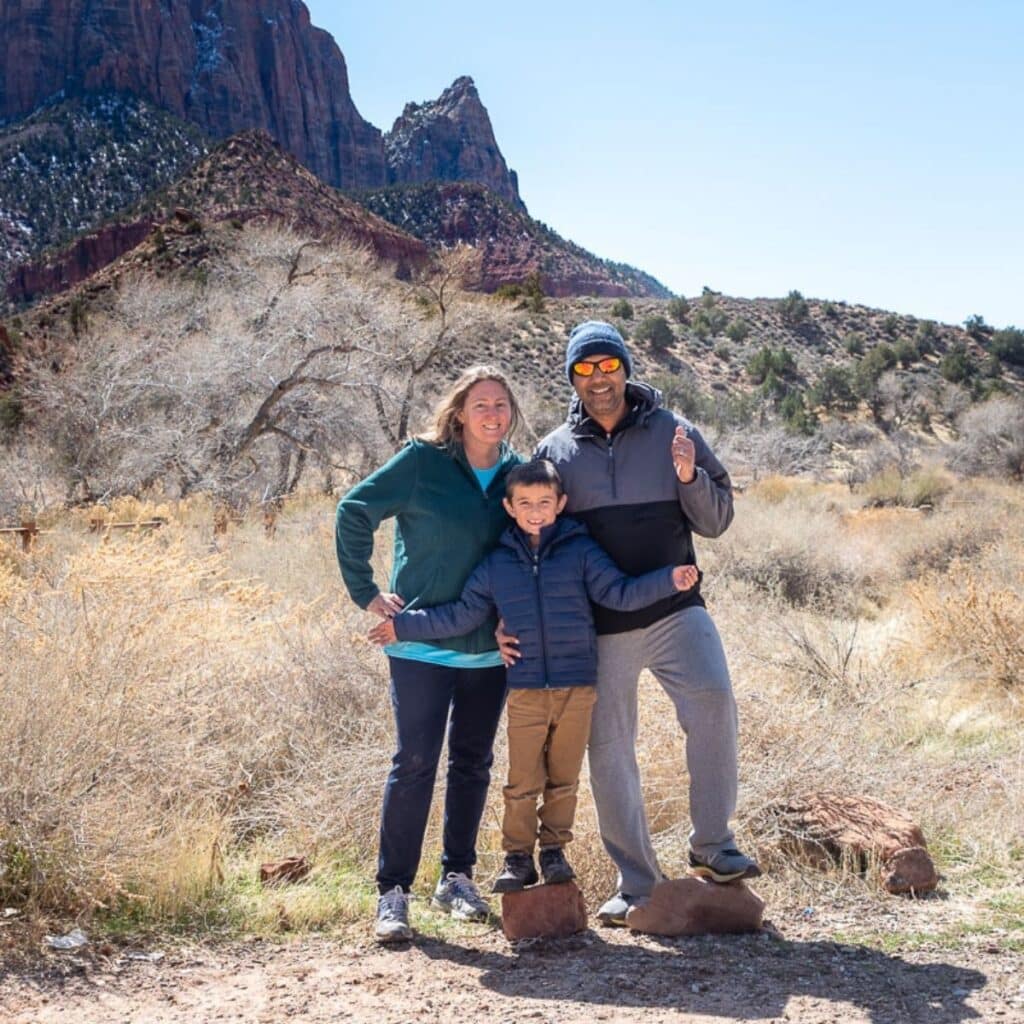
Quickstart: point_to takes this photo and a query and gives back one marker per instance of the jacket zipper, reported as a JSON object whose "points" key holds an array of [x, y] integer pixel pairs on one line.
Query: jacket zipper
{"points": [[611, 466], [540, 618]]}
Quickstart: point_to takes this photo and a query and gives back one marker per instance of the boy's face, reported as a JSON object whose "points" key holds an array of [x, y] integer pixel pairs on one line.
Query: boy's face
{"points": [[534, 506]]}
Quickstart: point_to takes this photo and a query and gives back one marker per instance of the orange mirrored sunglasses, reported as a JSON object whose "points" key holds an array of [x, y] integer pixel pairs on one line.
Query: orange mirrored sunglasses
{"points": [[609, 365]]}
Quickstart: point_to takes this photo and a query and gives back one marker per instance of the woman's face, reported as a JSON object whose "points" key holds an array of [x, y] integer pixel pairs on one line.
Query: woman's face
{"points": [[486, 416]]}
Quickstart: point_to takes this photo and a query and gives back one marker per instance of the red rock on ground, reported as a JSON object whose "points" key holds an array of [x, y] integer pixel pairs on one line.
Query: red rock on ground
{"points": [[908, 870], [693, 906], [543, 912], [827, 828], [277, 872]]}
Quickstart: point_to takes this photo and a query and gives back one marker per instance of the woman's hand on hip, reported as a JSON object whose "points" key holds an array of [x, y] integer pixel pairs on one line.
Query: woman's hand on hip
{"points": [[386, 605], [383, 633]]}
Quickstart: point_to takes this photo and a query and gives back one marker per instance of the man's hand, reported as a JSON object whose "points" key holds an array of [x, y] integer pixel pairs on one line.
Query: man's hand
{"points": [[684, 456], [386, 605], [383, 633], [508, 645], [683, 576]]}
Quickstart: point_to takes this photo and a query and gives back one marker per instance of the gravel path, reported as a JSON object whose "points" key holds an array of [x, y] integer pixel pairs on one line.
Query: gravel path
{"points": [[597, 976]]}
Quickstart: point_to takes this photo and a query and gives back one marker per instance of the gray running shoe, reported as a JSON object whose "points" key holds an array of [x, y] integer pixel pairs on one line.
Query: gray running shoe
{"points": [[393, 916], [458, 895], [612, 913], [724, 866]]}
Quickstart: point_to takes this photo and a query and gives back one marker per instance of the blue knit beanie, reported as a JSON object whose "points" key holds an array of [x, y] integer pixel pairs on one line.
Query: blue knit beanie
{"points": [[595, 337]]}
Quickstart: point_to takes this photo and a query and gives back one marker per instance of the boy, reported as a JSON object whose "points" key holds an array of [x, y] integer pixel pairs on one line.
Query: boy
{"points": [[541, 578]]}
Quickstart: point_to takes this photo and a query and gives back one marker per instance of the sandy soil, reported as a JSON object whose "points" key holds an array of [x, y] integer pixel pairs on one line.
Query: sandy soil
{"points": [[606, 975]]}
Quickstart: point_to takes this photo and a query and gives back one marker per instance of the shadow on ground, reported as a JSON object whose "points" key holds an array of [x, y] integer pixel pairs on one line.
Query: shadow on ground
{"points": [[742, 977]]}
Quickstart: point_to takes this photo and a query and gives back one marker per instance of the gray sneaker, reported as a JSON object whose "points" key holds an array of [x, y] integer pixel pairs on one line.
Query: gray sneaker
{"points": [[393, 916], [458, 895], [612, 913], [724, 866]]}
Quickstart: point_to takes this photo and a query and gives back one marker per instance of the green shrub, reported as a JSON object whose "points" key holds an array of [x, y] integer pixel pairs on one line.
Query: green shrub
{"points": [[906, 352], [779, 362], [723, 352], [881, 358], [891, 324], [956, 365], [655, 330], [924, 336], [1008, 345], [622, 309], [12, 411], [976, 327], [508, 292], [679, 309], [78, 315], [854, 343], [738, 330], [795, 414], [534, 292], [828, 309], [835, 389], [793, 308]]}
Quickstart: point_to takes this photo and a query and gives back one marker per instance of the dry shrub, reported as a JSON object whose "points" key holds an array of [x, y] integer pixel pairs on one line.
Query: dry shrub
{"points": [[782, 542], [920, 488], [979, 620], [161, 712]]}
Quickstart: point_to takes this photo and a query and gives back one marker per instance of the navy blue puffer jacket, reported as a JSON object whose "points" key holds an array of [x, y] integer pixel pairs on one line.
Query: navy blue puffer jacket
{"points": [[544, 597]]}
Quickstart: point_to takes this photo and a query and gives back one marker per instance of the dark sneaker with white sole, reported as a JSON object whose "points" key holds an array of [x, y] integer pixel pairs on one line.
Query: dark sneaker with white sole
{"points": [[392, 924], [724, 866], [517, 873], [554, 868], [457, 894]]}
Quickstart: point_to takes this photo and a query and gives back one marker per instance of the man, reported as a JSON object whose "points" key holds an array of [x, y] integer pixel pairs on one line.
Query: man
{"points": [[643, 480]]}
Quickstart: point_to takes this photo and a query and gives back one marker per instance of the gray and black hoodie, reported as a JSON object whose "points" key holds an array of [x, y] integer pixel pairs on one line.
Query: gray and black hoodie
{"points": [[623, 486]]}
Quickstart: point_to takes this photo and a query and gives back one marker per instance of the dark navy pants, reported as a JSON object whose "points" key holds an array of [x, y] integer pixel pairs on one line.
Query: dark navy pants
{"points": [[427, 699]]}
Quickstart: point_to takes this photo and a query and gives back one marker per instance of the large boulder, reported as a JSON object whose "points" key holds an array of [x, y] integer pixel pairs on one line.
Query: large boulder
{"points": [[543, 912], [695, 906]]}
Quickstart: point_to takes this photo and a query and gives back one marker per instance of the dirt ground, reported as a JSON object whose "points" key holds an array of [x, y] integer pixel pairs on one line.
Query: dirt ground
{"points": [[600, 975]]}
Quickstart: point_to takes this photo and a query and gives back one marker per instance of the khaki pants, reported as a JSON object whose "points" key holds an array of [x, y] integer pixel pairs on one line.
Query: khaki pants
{"points": [[547, 737]]}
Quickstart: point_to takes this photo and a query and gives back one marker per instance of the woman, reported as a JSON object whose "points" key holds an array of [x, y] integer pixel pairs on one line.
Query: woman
{"points": [[445, 490]]}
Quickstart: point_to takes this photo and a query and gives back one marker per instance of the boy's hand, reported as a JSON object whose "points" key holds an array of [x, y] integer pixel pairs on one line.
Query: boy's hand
{"points": [[508, 646], [383, 633], [386, 605], [683, 576], [684, 457]]}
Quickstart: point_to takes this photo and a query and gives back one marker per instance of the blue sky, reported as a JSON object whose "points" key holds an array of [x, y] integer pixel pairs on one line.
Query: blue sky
{"points": [[872, 153]]}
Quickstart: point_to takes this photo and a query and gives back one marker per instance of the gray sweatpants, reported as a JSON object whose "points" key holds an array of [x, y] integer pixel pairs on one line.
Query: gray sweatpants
{"points": [[685, 655]]}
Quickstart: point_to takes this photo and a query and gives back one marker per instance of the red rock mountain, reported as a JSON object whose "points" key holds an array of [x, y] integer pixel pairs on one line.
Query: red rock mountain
{"points": [[227, 65], [450, 139], [248, 177]]}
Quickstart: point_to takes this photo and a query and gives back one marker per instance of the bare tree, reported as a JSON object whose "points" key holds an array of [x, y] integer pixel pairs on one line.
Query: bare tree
{"points": [[286, 354]]}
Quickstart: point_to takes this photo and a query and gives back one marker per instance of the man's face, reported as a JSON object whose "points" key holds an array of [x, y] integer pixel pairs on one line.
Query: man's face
{"points": [[603, 394]]}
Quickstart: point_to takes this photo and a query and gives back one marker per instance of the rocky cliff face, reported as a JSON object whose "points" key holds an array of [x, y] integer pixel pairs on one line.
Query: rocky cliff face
{"points": [[227, 65], [512, 246], [450, 139]]}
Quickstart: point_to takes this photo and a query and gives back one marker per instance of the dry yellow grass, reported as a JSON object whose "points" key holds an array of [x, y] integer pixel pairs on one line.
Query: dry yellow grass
{"points": [[179, 705]]}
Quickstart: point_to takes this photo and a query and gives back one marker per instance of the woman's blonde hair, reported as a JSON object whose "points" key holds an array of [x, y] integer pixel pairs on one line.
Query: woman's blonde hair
{"points": [[446, 428]]}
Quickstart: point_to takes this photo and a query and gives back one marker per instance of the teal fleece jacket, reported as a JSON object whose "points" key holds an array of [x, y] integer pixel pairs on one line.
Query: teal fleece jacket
{"points": [[444, 526]]}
